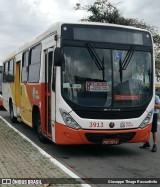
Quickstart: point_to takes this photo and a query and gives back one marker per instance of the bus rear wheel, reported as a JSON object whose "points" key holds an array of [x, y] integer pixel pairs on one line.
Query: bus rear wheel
{"points": [[12, 117], [41, 137]]}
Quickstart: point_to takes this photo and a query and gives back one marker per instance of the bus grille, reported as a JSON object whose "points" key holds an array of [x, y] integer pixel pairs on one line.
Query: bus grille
{"points": [[98, 138], [108, 114]]}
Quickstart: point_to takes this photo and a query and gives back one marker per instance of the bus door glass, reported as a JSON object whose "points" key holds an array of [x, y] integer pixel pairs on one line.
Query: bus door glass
{"points": [[17, 84], [48, 75]]}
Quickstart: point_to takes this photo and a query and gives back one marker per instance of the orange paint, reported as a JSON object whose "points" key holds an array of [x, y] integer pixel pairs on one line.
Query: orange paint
{"points": [[36, 97], [1, 102], [126, 97], [66, 135]]}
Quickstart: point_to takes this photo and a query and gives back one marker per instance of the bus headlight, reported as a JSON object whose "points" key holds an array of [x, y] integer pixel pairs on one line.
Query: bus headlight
{"points": [[69, 121], [146, 121]]}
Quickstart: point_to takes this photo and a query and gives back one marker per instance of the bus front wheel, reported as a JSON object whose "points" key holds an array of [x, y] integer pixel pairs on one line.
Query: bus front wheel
{"points": [[41, 137]]}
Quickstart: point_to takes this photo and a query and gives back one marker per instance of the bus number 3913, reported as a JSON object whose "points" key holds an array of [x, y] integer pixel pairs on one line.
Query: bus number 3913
{"points": [[96, 124]]}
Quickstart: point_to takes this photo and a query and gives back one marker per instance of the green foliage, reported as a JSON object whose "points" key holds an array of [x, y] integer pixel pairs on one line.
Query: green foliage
{"points": [[105, 12], [101, 11], [156, 39]]}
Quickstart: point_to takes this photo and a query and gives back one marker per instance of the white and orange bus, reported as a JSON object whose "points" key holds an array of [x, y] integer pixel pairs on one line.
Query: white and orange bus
{"points": [[83, 83]]}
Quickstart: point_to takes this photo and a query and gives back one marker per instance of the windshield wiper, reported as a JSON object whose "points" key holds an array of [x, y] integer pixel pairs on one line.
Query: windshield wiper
{"points": [[95, 57], [127, 58], [123, 64]]}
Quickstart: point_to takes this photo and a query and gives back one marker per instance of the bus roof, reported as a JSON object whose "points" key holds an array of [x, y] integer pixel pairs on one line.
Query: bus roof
{"points": [[56, 27]]}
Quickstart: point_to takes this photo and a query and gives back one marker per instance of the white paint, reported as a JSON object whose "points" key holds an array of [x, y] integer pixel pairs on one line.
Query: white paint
{"points": [[53, 160]]}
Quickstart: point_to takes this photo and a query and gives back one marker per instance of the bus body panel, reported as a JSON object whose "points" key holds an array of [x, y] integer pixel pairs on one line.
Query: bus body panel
{"points": [[1, 102], [65, 135], [8, 94], [31, 95]]}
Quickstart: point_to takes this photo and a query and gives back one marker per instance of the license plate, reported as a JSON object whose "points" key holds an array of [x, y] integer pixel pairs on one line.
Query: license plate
{"points": [[110, 141]]}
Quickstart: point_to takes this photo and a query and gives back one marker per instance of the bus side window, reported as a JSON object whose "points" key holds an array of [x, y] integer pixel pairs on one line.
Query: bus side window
{"points": [[8, 73], [50, 62], [25, 66], [11, 71], [35, 63], [53, 79], [5, 72], [53, 71]]}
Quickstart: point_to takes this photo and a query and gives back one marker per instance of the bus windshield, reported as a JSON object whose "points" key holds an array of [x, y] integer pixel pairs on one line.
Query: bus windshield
{"points": [[124, 81]]}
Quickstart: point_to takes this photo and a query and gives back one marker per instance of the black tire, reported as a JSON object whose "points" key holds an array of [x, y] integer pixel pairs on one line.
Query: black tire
{"points": [[12, 117], [41, 137]]}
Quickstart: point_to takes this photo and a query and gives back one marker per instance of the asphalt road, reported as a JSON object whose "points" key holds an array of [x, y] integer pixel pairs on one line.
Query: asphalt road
{"points": [[98, 161]]}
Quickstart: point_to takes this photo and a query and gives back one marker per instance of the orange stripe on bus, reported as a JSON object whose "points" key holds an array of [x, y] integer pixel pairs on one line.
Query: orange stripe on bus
{"points": [[66, 135]]}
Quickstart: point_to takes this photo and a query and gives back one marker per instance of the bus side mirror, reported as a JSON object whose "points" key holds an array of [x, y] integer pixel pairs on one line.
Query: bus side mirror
{"points": [[58, 57]]}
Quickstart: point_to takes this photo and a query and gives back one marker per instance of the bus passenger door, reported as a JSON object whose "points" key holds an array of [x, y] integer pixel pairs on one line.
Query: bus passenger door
{"points": [[17, 88], [48, 90]]}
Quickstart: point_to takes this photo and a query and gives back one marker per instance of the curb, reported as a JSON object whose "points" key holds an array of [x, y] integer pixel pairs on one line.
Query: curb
{"points": [[53, 160]]}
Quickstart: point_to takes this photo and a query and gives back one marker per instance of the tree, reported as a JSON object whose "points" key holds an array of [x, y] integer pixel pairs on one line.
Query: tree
{"points": [[104, 11], [101, 11], [156, 39]]}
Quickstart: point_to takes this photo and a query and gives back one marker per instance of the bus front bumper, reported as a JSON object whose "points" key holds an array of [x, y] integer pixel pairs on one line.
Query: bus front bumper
{"points": [[65, 135]]}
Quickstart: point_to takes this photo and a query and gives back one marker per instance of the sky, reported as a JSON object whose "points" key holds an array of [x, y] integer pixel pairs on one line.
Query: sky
{"points": [[21, 20]]}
